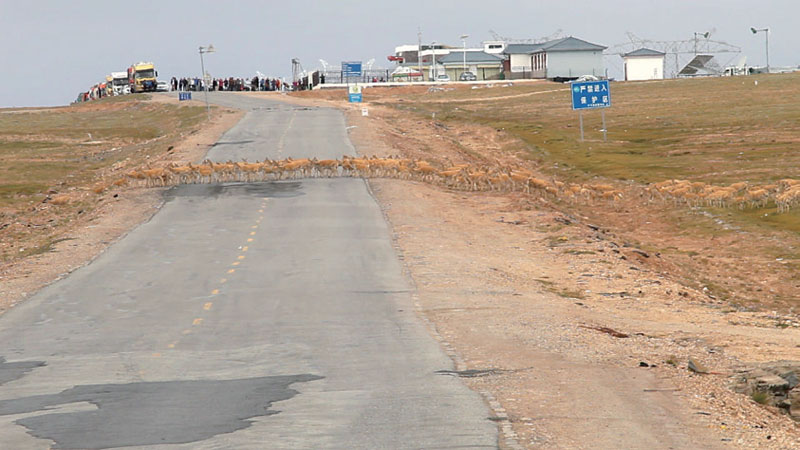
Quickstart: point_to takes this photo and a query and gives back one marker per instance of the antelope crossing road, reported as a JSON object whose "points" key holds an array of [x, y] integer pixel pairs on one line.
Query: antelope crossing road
{"points": [[270, 315]]}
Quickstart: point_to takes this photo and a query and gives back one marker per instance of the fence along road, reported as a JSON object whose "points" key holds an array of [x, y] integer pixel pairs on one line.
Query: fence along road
{"points": [[269, 315]]}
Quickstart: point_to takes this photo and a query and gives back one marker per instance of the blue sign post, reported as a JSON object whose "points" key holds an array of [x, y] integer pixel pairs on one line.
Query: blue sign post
{"points": [[352, 69], [354, 93], [184, 96], [590, 95]]}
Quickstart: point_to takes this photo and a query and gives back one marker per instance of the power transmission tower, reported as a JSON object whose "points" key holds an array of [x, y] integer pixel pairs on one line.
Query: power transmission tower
{"points": [[556, 35], [676, 51]]}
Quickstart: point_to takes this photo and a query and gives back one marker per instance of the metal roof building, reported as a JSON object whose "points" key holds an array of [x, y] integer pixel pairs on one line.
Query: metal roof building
{"points": [[565, 58]]}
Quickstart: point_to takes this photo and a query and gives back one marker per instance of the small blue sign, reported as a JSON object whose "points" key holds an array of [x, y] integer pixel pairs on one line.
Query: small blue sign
{"points": [[351, 69], [355, 98], [591, 94], [184, 96]]}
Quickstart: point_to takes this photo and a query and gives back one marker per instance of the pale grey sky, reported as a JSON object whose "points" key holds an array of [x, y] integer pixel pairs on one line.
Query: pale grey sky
{"points": [[51, 50]]}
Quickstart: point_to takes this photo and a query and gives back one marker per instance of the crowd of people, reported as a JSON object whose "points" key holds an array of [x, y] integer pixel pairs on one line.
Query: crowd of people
{"points": [[226, 84]]}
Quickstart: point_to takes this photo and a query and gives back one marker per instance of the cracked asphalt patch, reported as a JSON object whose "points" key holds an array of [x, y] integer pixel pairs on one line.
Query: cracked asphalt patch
{"points": [[10, 371], [148, 413]]}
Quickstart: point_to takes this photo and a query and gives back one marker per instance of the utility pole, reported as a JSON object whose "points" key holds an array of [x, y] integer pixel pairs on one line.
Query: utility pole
{"points": [[433, 60], [209, 49], [419, 51], [464, 42]]}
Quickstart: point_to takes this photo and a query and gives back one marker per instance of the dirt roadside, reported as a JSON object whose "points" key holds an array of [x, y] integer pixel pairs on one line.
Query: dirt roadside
{"points": [[578, 339], [119, 211]]}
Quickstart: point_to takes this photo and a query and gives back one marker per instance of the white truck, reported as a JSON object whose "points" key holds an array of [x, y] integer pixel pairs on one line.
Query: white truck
{"points": [[119, 81]]}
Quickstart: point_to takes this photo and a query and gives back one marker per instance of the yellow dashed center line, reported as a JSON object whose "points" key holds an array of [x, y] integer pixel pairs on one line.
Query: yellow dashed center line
{"points": [[156, 355], [208, 305]]}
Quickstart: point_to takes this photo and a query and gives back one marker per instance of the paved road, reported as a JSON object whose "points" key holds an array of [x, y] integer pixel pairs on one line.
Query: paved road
{"points": [[267, 315]]}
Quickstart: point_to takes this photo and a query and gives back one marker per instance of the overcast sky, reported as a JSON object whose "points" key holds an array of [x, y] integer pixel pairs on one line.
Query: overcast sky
{"points": [[51, 50]]}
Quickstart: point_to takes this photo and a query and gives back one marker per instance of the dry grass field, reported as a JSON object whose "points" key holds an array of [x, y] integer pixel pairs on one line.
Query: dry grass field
{"points": [[717, 131], [51, 158]]}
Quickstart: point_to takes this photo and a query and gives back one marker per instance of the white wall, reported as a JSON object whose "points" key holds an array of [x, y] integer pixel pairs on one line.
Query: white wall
{"points": [[520, 63], [575, 64], [644, 68]]}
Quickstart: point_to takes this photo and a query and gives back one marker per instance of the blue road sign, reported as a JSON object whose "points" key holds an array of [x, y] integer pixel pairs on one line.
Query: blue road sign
{"points": [[351, 69], [354, 93], [591, 94], [184, 96]]}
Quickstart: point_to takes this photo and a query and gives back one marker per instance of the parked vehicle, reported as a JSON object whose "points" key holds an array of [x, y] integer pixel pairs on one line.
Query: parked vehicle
{"points": [[467, 76], [584, 78], [443, 77], [162, 86], [108, 86], [406, 74], [119, 82], [142, 77]]}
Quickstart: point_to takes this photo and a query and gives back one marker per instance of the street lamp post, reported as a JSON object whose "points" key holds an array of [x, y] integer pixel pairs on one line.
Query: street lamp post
{"points": [[464, 42], [705, 35], [433, 59], [209, 49], [766, 34], [419, 55]]}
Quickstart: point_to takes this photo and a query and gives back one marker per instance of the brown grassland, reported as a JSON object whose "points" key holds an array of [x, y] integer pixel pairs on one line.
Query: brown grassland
{"points": [[53, 161]]}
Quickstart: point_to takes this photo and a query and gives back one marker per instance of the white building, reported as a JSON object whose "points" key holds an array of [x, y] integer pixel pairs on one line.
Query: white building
{"points": [[494, 47], [560, 59], [644, 64], [519, 60]]}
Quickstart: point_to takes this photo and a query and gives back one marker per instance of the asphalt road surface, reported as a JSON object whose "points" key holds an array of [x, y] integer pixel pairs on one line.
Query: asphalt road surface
{"points": [[272, 315]]}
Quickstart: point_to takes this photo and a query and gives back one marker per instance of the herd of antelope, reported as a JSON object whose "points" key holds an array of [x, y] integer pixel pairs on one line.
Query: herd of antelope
{"points": [[785, 194]]}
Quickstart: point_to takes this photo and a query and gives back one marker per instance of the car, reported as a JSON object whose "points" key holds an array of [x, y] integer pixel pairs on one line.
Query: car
{"points": [[584, 78], [443, 77], [162, 86], [467, 76]]}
